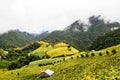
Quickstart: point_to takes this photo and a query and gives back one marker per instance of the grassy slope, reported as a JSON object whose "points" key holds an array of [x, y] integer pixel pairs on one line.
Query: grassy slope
{"points": [[4, 64], [58, 49], [105, 67], [62, 51], [44, 46]]}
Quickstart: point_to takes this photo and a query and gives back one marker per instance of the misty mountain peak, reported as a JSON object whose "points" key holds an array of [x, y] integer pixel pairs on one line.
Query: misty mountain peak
{"points": [[77, 26]]}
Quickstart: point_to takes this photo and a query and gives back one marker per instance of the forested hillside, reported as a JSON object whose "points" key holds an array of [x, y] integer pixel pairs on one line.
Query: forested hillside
{"points": [[14, 38], [80, 35], [109, 39]]}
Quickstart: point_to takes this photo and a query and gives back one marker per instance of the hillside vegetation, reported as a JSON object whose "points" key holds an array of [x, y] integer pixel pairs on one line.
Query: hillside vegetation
{"points": [[107, 40], [103, 65], [38, 50], [81, 35], [58, 49], [14, 38]]}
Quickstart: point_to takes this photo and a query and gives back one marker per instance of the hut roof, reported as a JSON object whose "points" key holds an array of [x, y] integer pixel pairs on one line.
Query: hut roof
{"points": [[46, 73]]}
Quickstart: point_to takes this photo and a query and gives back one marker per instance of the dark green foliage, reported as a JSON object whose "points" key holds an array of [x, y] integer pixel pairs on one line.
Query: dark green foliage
{"points": [[14, 54], [100, 54], [14, 38], [18, 74], [22, 61], [114, 51], [82, 55], [29, 48], [63, 59], [77, 57], [69, 49], [71, 57], [12, 66], [92, 54], [60, 60], [107, 52], [107, 40], [86, 55], [40, 65], [116, 78], [47, 56], [11, 72]]}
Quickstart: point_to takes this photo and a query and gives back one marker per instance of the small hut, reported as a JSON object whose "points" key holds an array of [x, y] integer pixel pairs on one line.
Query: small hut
{"points": [[92, 51], [46, 73]]}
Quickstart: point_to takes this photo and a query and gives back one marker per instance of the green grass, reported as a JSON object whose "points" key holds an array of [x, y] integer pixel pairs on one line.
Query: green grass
{"points": [[105, 67], [59, 49], [4, 64], [44, 62]]}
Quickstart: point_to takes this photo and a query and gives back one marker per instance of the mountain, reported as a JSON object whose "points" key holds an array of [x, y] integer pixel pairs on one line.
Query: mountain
{"points": [[107, 40], [77, 26], [42, 35], [80, 35], [14, 38]]}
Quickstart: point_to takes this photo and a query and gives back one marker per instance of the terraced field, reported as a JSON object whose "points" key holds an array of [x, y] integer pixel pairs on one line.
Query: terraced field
{"points": [[100, 65], [58, 49]]}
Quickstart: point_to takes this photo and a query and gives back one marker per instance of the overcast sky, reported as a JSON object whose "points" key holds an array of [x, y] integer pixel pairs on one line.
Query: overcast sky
{"points": [[40, 15]]}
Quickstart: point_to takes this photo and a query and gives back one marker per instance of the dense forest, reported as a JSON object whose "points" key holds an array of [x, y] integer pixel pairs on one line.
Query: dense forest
{"points": [[107, 40], [14, 38]]}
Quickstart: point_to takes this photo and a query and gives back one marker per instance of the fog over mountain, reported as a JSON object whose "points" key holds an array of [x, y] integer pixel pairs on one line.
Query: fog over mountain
{"points": [[36, 16]]}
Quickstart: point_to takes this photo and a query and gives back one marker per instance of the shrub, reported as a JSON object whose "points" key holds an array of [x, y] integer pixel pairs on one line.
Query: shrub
{"points": [[114, 51], [107, 52], [71, 57], [77, 57], [57, 61], [63, 59], [12, 66], [82, 55], [40, 65], [92, 54], [18, 73], [87, 55], [60, 60], [100, 54], [11, 72]]}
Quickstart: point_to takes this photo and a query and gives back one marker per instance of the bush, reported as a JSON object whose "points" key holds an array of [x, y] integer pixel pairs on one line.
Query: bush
{"points": [[40, 65], [71, 57], [82, 55], [18, 73], [77, 57], [60, 60], [107, 52], [87, 55], [92, 54], [22, 61], [63, 59], [12, 66], [100, 54], [114, 51]]}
